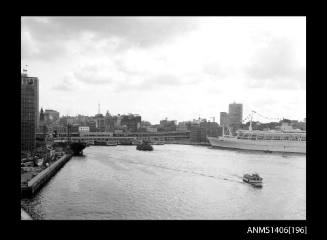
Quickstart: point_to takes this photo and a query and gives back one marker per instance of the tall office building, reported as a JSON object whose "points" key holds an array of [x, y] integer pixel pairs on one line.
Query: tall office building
{"points": [[223, 119], [100, 122], [235, 113], [29, 111]]}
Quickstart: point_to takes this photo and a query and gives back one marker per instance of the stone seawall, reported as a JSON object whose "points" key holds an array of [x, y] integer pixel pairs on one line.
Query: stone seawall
{"points": [[188, 143], [24, 215], [39, 180]]}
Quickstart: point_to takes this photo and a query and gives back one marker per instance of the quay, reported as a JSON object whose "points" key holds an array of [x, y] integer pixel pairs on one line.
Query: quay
{"points": [[24, 215], [44, 176], [188, 142]]}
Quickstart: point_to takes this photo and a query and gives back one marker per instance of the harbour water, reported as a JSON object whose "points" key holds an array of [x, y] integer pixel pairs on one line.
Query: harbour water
{"points": [[173, 182]]}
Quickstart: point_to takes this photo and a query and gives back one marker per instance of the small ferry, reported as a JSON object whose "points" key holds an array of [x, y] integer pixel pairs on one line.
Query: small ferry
{"points": [[253, 179], [144, 146]]}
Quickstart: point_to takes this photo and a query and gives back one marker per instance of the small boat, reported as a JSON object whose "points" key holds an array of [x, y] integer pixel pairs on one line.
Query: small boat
{"points": [[77, 148], [253, 179], [144, 146]]}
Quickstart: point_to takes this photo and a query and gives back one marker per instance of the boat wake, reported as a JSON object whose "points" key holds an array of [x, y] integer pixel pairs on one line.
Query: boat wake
{"points": [[230, 178]]}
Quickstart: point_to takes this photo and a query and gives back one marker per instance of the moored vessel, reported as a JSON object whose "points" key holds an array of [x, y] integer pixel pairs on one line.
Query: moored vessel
{"points": [[286, 140], [77, 148]]}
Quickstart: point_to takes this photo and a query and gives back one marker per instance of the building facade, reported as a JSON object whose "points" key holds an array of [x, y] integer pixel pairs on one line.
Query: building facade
{"points": [[167, 125], [131, 121], [200, 131], [51, 115], [29, 111], [99, 122], [223, 119], [235, 114], [84, 129]]}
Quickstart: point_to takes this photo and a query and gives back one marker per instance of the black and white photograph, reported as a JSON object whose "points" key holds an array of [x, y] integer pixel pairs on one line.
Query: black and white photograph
{"points": [[163, 118]]}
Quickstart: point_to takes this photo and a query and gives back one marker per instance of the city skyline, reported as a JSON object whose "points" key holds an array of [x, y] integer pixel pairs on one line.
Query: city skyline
{"points": [[178, 67]]}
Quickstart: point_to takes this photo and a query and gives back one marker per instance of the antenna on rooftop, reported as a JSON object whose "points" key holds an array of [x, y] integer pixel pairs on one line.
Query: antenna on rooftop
{"points": [[98, 108]]}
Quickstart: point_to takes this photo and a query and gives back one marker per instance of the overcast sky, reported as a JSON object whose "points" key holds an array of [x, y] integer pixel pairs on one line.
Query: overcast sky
{"points": [[176, 67]]}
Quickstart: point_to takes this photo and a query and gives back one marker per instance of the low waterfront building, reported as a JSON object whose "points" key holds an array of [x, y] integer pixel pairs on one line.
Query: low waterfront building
{"points": [[84, 129], [109, 136], [151, 129]]}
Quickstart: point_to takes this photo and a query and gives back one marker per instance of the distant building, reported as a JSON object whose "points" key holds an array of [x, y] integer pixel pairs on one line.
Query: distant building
{"points": [[151, 129], [92, 126], [50, 115], [200, 132], [74, 128], [183, 126], [117, 121], [29, 111], [109, 122], [167, 125], [223, 119], [99, 122], [145, 124], [235, 116], [118, 131], [59, 129], [195, 134], [235, 113], [131, 121], [83, 128]]}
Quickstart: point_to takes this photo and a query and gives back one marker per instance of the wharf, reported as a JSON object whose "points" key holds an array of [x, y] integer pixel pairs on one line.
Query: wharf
{"points": [[44, 176], [24, 215]]}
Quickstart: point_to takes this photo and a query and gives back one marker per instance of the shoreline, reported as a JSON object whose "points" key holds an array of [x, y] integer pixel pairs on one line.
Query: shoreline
{"points": [[31, 186]]}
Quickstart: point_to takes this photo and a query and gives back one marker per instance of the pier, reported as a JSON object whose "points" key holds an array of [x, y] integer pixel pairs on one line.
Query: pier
{"points": [[24, 215], [44, 176]]}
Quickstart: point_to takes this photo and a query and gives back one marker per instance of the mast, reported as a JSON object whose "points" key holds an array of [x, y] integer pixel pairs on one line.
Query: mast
{"points": [[250, 127]]}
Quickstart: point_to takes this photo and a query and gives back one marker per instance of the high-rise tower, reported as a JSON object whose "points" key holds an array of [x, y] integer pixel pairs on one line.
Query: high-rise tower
{"points": [[29, 111]]}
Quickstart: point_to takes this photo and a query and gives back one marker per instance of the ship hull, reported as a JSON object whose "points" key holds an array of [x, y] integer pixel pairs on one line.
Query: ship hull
{"points": [[258, 145], [77, 148]]}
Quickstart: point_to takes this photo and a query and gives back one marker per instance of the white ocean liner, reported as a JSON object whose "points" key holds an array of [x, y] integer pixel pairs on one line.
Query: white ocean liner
{"points": [[284, 140]]}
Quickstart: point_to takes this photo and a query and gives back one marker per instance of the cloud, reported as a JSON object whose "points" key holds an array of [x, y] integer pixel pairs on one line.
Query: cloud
{"points": [[216, 69], [67, 84], [92, 74], [276, 66], [51, 33]]}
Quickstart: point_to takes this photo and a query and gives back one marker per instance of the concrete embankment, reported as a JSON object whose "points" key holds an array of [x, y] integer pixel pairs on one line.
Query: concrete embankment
{"points": [[39, 180], [24, 215]]}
